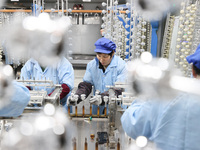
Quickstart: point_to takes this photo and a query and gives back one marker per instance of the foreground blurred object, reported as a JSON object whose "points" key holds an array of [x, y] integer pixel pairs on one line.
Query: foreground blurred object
{"points": [[181, 36], [49, 130], [154, 9], [59, 76], [14, 97], [150, 77], [176, 117], [6, 77], [142, 143], [158, 120], [37, 37], [195, 60], [157, 78], [16, 104]]}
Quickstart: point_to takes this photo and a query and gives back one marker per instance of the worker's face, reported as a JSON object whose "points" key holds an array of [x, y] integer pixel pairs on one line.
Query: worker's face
{"points": [[104, 59], [102, 32]]}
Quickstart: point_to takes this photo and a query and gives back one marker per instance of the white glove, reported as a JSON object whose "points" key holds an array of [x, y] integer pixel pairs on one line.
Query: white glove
{"points": [[72, 100], [96, 100]]}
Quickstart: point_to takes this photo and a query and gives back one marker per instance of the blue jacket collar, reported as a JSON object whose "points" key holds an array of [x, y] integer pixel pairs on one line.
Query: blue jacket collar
{"points": [[36, 65], [112, 63]]}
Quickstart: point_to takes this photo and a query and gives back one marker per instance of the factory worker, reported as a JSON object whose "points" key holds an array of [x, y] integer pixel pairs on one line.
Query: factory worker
{"points": [[169, 124], [195, 60], [102, 32], [60, 73], [104, 70], [18, 101]]}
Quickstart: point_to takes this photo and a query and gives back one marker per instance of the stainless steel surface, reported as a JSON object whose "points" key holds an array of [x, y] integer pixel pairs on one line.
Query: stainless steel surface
{"points": [[80, 62], [81, 128], [96, 19], [84, 128], [40, 97], [83, 39]]}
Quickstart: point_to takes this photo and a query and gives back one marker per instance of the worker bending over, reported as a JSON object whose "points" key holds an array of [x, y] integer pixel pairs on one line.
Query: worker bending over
{"points": [[170, 124], [104, 70], [17, 102], [60, 73]]}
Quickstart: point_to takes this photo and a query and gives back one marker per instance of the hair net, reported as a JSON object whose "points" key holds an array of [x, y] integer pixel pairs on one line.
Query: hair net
{"points": [[195, 58], [104, 45]]}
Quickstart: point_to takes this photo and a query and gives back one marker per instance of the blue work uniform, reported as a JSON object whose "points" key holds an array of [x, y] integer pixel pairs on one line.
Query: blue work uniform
{"points": [[171, 125], [115, 72], [18, 102], [60, 73]]}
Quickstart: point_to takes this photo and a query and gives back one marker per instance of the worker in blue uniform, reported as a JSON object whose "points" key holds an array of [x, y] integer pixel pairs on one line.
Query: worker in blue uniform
{"points": [[60, 73], [172, 124], [17, 102], [104, 70]]}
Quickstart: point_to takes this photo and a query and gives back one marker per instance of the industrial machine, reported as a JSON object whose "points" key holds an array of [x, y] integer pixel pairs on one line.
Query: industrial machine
{"points": [[133, 35], [181, 35], [41, 98], [91, 131], [101, 131]]}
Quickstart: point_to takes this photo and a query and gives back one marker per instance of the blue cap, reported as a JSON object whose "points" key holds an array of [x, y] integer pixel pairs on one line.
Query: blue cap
{"points": [[104, 45], [195, 58]]}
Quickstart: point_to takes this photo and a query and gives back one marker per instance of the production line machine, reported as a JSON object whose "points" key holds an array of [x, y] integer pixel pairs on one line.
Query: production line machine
{"points": [[91, 131], [181, 36], [101, 131], [132, 35], [41, 98], [38, 99]]}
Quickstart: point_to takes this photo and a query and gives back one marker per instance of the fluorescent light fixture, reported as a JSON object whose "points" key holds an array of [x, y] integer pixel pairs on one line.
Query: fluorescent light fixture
{"points": [[86, 0], [14, 0]]}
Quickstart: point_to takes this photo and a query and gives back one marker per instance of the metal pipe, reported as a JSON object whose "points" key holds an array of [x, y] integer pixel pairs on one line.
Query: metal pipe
{"points": [[38, 6], [43, 5], [58, 4], [86, 144], [62, 7], [67, 6], [110, 20], [106, 14], [33, 7]]}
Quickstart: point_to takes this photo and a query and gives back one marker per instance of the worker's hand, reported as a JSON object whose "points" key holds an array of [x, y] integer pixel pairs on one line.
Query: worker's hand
{"points": [[28, 87], [70, 101], [96, 100], [50, 93], [73, 100]]}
